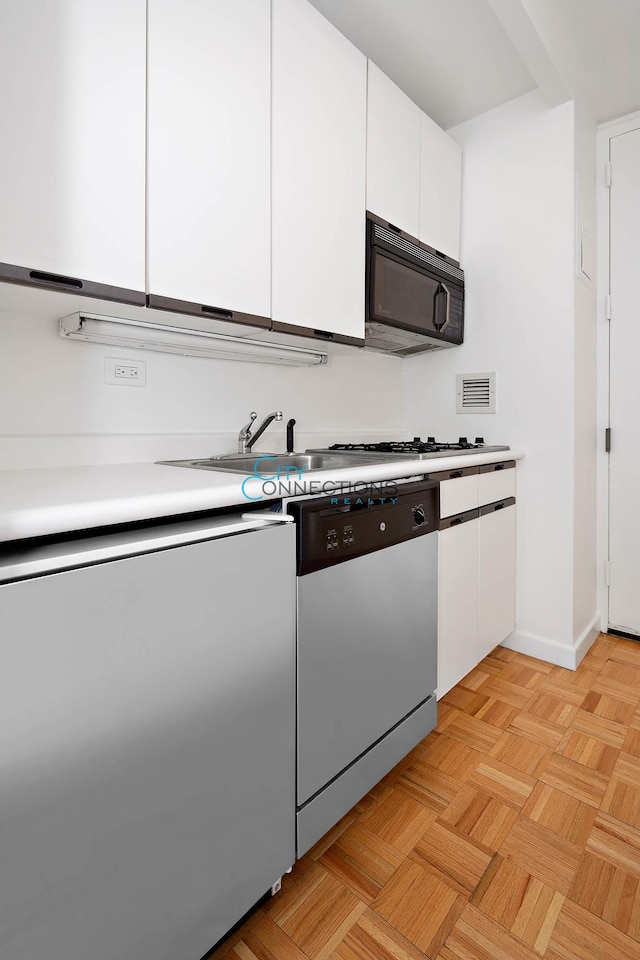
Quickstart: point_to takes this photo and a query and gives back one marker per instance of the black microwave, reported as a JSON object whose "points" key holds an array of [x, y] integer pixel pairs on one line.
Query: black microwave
{"points": [[414, 294]]}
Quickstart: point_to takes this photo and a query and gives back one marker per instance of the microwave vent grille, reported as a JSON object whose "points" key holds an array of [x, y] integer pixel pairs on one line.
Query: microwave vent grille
{"points": [[476, 393], [413, 250], [400, 343]]}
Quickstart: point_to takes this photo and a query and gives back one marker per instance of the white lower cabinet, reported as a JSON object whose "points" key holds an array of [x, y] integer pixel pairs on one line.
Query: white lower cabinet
{"points": [[496, 576], [476, 567], [457, 603]]}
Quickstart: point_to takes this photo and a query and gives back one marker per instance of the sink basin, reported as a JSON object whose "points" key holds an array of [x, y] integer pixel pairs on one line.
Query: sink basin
{"points": [[274, 464]]}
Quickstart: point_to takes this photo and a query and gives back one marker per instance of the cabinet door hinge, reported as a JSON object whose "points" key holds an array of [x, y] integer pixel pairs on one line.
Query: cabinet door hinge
{"points": [[607, 573], [607, 440], [608, 173], [607, 306]]}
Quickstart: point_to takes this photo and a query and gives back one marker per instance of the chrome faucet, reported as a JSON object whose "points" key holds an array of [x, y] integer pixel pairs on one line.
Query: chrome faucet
{"points": [[246, 439]]}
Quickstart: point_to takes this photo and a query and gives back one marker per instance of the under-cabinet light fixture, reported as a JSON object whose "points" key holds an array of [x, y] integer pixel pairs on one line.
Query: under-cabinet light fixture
{"points": [[142, 335]]}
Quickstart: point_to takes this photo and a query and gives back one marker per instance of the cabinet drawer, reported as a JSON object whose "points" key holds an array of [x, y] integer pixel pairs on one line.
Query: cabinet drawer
{"points": [[458, 490], [497, 481]]}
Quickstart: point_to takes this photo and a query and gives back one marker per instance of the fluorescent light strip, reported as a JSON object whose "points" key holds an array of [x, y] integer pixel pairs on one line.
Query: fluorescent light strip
{"points": [[141, 335]]}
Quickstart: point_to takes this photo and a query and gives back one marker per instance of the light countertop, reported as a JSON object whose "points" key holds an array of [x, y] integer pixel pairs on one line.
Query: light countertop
{"points": [[55, 500]]}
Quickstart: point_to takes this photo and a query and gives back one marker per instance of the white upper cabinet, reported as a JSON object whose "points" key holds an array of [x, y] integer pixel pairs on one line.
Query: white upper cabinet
{"points": [[318, 173], [393, 153], [413, 167], [72, 163], [440, 184], [209, 153]]}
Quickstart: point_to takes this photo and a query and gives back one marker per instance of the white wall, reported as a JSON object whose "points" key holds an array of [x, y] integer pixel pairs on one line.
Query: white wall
{"points": [[518, 255], [56, 410]]}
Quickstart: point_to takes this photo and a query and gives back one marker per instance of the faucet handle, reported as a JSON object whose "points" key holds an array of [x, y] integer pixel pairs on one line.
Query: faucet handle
{"points": [[247, 430], [290, 425]]}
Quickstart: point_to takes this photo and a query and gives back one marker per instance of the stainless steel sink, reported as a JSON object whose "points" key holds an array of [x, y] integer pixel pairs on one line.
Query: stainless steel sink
{"points": [[270, 464]]}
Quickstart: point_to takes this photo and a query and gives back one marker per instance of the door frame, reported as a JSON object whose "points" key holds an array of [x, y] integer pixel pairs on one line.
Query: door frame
{"points": [[605, 133]]}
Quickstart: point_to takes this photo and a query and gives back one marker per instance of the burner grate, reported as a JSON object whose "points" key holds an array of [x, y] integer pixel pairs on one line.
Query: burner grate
{"points": [[417, 445]]}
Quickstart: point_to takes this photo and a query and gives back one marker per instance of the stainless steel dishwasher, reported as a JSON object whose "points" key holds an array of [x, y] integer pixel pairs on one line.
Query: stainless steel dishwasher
{"points": [[367, 642], [147, 737]]}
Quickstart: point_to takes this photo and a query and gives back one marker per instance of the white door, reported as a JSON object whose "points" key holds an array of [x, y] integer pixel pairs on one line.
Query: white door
{"points": [[624, 466]]}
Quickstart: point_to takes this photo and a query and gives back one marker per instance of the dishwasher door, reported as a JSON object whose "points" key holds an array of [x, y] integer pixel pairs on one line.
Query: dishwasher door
{"points": [[367, 651], [147, 745]]}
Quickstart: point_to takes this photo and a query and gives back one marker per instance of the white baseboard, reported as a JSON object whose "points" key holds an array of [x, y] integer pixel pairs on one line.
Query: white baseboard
{"points": [[551, 651], [587, 638]]}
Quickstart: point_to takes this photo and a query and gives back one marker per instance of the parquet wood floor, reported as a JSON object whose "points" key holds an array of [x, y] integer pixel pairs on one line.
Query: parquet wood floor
{"points": [[512, 832]]}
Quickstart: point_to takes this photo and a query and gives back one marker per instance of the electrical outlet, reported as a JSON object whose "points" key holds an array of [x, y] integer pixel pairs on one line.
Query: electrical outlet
{"points": [[125, 373]]}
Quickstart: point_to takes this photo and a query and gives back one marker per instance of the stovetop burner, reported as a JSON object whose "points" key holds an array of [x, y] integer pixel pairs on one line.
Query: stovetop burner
{"points": [[418, 448], [430, 445]]}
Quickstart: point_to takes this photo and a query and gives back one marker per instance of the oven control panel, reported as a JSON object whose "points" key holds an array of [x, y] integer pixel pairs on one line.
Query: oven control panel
{"points": [[334, 529]]}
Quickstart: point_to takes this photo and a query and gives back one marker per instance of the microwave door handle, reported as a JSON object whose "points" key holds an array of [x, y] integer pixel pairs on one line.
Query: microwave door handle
{"points": [[441, 306]]}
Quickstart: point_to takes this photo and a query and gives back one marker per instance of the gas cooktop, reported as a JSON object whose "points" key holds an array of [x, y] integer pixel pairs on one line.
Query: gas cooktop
{"points": [[418, 449]]}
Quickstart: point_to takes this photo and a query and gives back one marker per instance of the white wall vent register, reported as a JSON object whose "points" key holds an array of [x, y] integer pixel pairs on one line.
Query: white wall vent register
{"points": [[476, 393]]}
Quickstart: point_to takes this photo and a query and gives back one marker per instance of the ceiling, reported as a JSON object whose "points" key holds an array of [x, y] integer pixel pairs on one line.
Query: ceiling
{"points": [[452, 57], [601, 41], [455, 59]]}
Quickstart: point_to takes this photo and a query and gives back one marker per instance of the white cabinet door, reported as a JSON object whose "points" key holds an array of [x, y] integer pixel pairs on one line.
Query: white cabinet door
{"points": [[496, 578], [72, 163], [457, 603], [393, 153], [440, 186], [208, 175], [318, 172]]}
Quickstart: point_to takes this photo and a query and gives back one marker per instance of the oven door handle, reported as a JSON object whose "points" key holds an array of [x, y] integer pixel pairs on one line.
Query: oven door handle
{"points": [[441, 307]]}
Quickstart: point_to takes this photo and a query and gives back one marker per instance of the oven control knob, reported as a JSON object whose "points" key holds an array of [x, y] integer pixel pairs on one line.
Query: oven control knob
{"points": [[419, 516], [480, 440], [383, 526], [462, 440]]}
